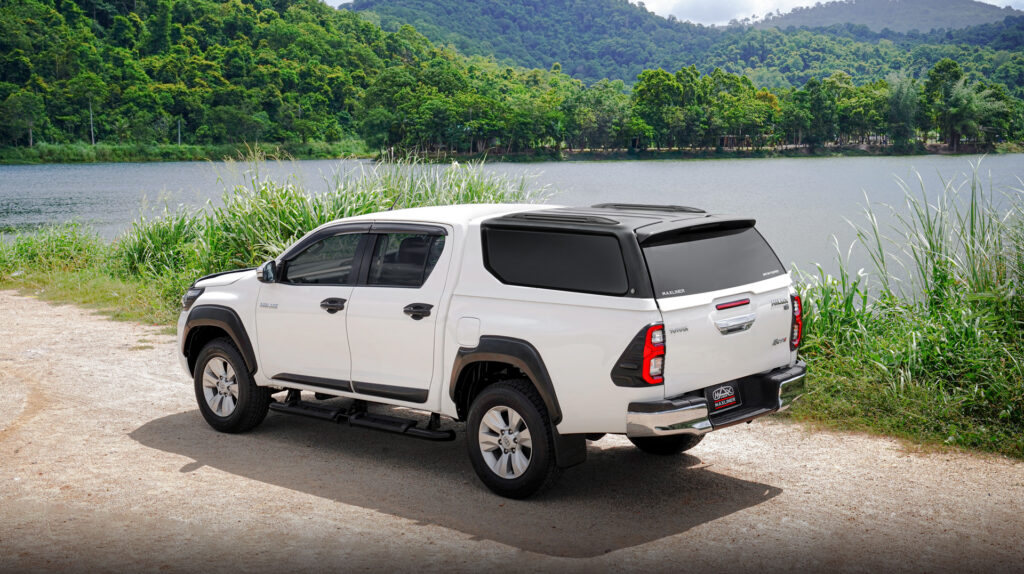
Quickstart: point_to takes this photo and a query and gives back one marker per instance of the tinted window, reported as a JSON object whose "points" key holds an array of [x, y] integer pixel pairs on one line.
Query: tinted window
{"points": [[404, 259], [552, 260], [700, 262], [326, 262]]}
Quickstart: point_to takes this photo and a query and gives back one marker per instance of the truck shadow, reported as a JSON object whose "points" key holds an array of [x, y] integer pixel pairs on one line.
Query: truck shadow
{"points": [[619, 498]]}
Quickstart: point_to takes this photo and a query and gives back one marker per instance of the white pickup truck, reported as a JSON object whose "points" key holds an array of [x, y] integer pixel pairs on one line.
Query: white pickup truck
{"points": [[538, 326]]}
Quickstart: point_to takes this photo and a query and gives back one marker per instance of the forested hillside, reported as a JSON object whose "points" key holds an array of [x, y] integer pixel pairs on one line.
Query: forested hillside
{"points": [[896, 15], [117, 72], [595, 39]]}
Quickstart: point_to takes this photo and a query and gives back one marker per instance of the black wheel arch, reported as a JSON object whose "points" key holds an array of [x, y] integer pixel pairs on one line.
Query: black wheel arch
{"points": [[207, 322], [496, 358]]}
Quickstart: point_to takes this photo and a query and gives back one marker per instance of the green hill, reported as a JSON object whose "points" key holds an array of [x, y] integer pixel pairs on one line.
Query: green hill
{"points": [[896, 15], [615, 39]]}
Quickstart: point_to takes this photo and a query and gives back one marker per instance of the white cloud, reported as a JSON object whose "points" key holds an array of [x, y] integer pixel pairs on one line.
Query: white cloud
{"points": [[721, 11]]}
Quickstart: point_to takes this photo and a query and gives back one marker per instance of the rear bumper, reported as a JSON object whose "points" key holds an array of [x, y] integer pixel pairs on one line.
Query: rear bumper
{"points": [[769, 392]]}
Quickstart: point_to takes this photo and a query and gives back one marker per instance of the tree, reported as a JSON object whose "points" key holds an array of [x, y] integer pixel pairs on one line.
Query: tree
{"points": [[655, 94], [938, 91], [902, 112], [22, 111]]}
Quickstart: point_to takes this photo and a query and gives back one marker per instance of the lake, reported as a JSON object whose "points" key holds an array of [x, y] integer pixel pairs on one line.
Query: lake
{"points": [[800, 203]]}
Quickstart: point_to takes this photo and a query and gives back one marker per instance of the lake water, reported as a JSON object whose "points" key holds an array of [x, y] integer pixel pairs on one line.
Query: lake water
{"points": [[799, 203]]}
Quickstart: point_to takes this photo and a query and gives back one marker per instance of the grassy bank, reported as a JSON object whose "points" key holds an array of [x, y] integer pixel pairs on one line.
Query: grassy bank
{"points": [[935, 358], [109, 153]]}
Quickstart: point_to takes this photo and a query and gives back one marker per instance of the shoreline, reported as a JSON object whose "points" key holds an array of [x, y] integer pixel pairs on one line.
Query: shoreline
{"points": [[49, 154], [80, 153]]}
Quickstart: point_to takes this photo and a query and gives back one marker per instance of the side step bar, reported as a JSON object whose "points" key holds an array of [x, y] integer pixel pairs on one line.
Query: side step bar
{"points": [[358, 417]]}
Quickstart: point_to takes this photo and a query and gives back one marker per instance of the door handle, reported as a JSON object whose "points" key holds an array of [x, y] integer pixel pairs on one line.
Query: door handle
{"points": [[418, 310], [735, 324], [332, 305]]}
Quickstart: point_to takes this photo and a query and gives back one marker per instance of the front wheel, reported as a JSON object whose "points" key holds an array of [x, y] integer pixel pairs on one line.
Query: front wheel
{"points": [[509, 438], [667, 445], [228, 398]]}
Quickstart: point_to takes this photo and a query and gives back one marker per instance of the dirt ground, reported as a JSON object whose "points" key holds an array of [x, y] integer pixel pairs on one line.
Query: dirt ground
{"points": [[106, 465]]}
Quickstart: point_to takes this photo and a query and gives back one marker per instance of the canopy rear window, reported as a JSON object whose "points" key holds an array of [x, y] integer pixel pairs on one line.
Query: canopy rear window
{"points": [[702, 261]]}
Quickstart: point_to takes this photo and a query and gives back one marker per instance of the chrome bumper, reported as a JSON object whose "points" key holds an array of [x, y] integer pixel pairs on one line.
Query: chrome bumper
{"points": [[792, 388], [668, 417], [690, 415]]}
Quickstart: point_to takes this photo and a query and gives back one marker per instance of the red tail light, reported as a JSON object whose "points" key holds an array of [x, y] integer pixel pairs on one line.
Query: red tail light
{"points": [[797, 335], [654, 355]]}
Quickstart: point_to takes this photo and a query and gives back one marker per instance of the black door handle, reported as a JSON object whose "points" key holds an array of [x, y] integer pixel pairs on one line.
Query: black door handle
{"points": [[332, 305], [418, 310]]}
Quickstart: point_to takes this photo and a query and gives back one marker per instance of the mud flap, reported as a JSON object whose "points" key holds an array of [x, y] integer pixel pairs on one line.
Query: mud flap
{"points": [[570, 449]]}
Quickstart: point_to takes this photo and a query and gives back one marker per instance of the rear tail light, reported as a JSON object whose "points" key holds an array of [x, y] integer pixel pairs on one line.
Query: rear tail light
{"points": [[642, 364], [654, 355], [797, 335]]}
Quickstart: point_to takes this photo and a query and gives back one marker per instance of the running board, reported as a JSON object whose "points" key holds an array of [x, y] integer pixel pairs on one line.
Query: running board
{"points": [[360, 418]]}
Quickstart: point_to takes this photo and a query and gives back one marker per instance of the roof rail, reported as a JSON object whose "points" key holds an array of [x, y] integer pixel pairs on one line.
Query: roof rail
{"points": [[649, 207], [560, 217]]}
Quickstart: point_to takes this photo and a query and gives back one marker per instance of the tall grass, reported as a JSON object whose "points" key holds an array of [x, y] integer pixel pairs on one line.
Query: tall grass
{"points": [[257, 220], [929, 342]]}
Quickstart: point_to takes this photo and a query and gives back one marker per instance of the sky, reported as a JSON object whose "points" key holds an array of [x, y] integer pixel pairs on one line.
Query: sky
{"points": [[722, 11]]}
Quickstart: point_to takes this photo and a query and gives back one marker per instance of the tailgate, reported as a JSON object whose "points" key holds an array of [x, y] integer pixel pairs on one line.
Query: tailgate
{"points": [[725, 302], [705, 345]]}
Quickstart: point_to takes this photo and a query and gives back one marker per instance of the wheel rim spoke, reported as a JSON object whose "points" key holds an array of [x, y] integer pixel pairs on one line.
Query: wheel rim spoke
{"points": [[494, 421], [500, 466], [514, 420], [488, 442], [209, 378], [233, 389], [525, 440], [519, 462], [227, 404]]}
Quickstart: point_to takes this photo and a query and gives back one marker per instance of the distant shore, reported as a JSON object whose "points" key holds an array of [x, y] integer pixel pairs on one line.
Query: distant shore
{"points": [[726, 153], [123, 153], [349, 149]]}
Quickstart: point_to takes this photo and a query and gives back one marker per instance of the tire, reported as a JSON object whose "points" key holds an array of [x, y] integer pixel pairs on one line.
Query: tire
{"points": [[667, 445], [512, 409], [228, 398]]}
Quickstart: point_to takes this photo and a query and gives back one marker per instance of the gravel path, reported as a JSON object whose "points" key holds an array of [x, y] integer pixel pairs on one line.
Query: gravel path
{"points": [[106, 465]]}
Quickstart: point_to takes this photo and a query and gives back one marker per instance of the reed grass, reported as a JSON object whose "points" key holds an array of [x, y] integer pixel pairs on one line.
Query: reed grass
{"points": [[927, 344]]}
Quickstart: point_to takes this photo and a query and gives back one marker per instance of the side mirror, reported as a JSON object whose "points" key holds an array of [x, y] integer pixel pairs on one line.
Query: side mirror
{"points": [[267, 273]]}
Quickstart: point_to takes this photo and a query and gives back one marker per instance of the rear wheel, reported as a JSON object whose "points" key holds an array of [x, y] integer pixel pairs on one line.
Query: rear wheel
{"points": [[667, 445], [509, 438], [228, 398]]}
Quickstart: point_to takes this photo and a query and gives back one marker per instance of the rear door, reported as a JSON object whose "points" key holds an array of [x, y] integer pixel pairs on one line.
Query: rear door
{"points": [[393, 316], [724, 297]]}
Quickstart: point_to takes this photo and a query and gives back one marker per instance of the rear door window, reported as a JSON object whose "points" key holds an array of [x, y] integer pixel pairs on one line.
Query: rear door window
{"points": [[404, 259], [699, 262], [555, 260]]}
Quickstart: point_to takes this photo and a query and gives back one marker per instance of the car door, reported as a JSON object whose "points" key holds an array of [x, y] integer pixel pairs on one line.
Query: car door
{"points": [[300, 318], [393, 314]]}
